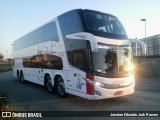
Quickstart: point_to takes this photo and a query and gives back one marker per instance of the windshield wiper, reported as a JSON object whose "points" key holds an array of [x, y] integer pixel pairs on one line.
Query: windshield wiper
{"points": [[103, 70]]}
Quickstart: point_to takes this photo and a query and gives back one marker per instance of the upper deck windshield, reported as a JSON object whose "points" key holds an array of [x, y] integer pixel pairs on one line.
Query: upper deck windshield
{"points": [[106, 25], [112, 61], [96, 23]]}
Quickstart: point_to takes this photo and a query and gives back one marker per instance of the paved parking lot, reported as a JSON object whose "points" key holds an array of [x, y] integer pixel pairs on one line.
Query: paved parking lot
{"points": [[33, 97]]}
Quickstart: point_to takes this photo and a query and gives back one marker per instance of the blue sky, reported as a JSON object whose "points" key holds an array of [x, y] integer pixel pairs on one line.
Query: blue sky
{"points": [[18, 17]]}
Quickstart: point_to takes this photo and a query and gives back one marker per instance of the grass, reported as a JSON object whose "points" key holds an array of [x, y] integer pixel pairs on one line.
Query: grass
{"points": [[6, 108], [5, 68], [3, 99]]}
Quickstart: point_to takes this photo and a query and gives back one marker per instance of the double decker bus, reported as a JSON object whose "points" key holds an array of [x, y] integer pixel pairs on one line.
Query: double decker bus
{"points": [[82, 52]]}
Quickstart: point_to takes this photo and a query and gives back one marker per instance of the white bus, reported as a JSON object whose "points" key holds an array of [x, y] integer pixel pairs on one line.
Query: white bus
{"points": [[81, 52]]}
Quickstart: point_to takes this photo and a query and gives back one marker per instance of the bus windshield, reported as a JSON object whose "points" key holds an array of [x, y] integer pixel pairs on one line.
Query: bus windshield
{"points": [[112, 60], [105, 23]]}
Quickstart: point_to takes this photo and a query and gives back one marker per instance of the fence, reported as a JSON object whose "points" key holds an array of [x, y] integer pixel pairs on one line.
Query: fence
{"points": [[152, 46], [148, 65]]}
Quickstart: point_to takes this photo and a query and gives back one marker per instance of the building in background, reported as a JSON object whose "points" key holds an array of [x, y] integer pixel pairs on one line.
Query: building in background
{"points": [[152, 46], [148, 65]]}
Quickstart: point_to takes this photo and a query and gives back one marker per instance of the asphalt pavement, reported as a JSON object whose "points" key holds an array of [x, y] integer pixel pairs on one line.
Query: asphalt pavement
{"points": [[32, 97]]}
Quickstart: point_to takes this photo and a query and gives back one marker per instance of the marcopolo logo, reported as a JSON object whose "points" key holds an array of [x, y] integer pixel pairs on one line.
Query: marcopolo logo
{"points": [[6, 114]]}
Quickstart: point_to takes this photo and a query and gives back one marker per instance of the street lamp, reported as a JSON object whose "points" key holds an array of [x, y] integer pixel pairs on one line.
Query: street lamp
{"points": [[6, 54], [11, 51], [145, 24]]}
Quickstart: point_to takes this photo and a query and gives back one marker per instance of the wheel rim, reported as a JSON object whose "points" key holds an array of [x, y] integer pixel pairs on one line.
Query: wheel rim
{"points": [[49, 83], [61, 87]]}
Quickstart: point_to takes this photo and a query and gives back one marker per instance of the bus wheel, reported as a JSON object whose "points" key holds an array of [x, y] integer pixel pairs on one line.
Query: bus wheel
{"points": [[48, 84], [21, 78], [60, 87]]}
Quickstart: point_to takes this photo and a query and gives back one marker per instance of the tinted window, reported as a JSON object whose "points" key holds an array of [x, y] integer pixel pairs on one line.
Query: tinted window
{"points": [[103, 23], [51, 32], [32, 38], [52, 62], [37, 36], [43, 61], [44, 33], [112, 61], [70, 22], [76, 53]]}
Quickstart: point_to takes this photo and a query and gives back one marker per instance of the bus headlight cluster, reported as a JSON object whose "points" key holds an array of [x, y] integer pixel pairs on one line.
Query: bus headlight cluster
{"points": [[112, 86], [99, 84], [103, 85], [108, 86]]}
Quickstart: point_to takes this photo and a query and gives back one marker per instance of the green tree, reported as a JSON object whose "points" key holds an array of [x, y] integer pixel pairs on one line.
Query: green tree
{"points": [[1, 56]]}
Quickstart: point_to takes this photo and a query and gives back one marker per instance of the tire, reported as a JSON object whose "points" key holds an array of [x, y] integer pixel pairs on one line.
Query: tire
{"points": [[48, 84], [60, 88], [21, 78]]}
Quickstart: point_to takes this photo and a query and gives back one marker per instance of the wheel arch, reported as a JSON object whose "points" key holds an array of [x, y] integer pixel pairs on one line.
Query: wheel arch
{"points": [[45, 75], [18, 73], [59, 75], [53, 77], [21, 71]]}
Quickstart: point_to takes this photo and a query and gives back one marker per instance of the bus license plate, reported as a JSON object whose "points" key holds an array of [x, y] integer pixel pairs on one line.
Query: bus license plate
{"points": [[119, 93]]}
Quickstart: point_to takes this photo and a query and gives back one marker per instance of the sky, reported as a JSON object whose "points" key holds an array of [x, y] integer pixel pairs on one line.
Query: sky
{"points": [[18, 17]]}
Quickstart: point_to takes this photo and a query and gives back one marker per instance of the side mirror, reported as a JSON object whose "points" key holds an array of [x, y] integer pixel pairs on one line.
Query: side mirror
{"points": [[85, 36], [143, 45]]}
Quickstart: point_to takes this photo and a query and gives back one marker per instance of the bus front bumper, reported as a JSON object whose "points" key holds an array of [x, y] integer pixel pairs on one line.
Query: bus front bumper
{"points": [[102, 93]]}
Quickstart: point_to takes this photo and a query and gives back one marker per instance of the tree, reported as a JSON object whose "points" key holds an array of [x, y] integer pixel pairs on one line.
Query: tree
{"points": [[1, 56]]}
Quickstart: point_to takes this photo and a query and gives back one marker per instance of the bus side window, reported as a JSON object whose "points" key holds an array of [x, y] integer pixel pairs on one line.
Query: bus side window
{"points": [[52, 62], [47, 61], [70, 23], [76, 53]]}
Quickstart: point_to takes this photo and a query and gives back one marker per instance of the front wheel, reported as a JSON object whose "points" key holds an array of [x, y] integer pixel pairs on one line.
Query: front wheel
{"points": [[60, 87]]}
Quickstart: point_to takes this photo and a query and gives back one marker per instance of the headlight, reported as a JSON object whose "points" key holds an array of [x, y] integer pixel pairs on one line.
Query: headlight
{"points": [[97, 84]]}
